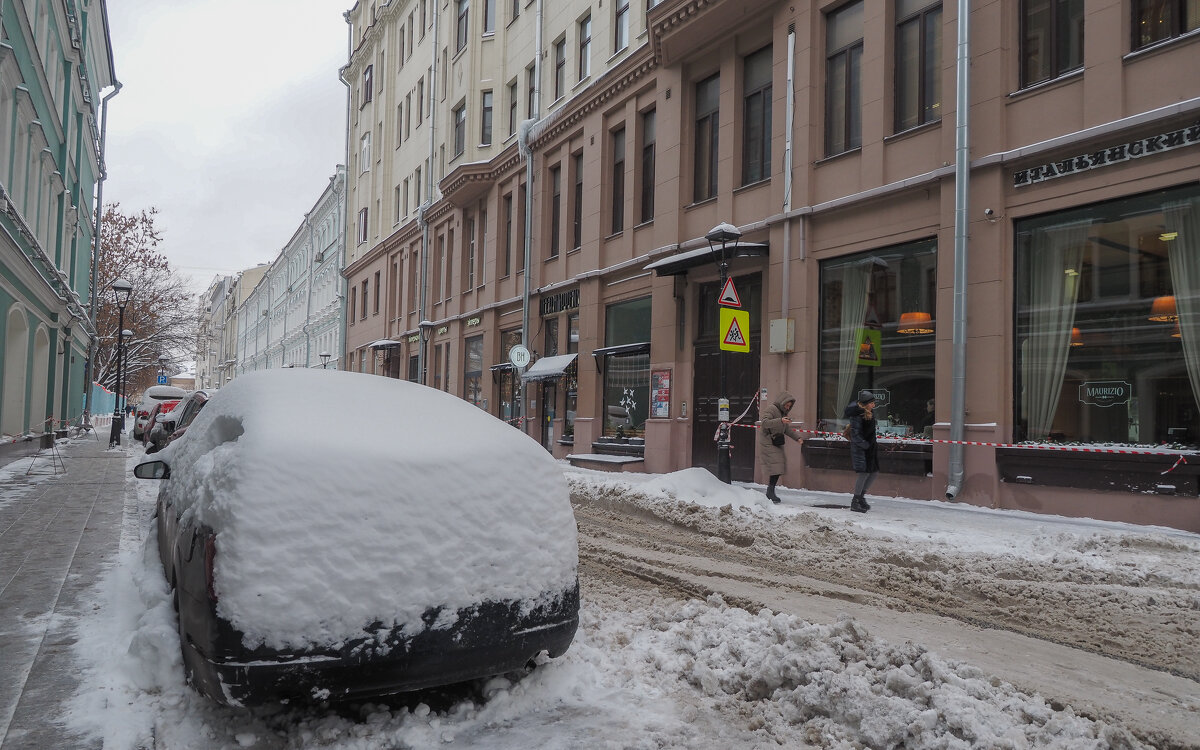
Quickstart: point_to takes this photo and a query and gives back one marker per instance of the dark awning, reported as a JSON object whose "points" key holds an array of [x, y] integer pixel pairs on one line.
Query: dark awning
{"points": [[607, 351], [383, 344], [683, 262], [549, 368]]}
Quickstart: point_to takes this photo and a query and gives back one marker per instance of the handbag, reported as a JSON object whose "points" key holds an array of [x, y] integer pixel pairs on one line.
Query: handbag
{"points": [[846, 432], [777, 440]]}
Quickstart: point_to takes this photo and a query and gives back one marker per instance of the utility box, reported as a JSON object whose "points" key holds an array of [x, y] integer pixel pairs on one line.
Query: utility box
{"points": [[782, 336]]}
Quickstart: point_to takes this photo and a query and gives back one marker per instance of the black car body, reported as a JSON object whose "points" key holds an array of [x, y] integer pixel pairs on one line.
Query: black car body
{"points": [[491, 636]]}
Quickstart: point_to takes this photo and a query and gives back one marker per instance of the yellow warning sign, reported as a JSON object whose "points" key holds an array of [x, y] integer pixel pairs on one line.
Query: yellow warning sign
{"points": [[735, 330]]}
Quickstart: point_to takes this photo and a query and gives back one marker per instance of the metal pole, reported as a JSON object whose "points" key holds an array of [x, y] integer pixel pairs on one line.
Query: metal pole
{"points": [[723, 446], [118, 422]]}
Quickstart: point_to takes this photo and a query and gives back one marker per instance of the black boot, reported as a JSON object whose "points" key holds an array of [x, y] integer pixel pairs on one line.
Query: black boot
{"points": [[862, 500], [858, 505], [771, 490]]}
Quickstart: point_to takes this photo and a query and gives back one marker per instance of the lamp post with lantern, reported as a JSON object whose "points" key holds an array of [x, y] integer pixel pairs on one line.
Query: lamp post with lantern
{"points": [[324, 359], [122, 290], [721, 239]]}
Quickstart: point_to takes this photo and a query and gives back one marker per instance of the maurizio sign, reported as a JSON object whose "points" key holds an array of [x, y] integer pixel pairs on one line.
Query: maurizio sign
{"points": [[1105, 393], [1155, 144]]}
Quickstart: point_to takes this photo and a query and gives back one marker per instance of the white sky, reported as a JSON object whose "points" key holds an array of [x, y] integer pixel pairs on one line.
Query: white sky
{"points": [[230, 121]]}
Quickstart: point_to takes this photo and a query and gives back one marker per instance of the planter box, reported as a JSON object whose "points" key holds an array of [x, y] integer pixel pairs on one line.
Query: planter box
{"points": [[1100, 471], [909, 458]]}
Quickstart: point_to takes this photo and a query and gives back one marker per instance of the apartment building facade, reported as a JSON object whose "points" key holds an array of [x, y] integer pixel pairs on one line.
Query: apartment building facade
{"points": [[1013, 279], [293, 313], [55, 59]]}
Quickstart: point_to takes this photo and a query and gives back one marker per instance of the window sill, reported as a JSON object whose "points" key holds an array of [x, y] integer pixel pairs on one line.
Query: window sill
{"points": [[614, 235], [647, 223], [1164, 44], [1051, 83], [582, 82], [751, 185], [697, 204], [834, 157], [914, 130], [554, 257], [1140, 473]]}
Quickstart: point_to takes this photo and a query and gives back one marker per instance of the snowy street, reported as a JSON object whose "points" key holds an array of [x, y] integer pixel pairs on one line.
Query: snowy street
{"points": [[714, 619]]}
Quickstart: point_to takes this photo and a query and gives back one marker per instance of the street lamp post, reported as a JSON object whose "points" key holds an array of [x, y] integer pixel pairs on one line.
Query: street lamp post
{"points": [[162, 364], [719, 240], [324, 359], [122, 290]]}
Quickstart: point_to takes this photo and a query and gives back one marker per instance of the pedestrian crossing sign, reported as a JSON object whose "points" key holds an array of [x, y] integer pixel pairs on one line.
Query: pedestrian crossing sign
{"points": [[735, 330]]}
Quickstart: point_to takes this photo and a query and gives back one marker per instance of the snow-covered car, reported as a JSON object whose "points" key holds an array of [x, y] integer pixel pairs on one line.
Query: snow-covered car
{"points": [[154, 394], [436, 546]]}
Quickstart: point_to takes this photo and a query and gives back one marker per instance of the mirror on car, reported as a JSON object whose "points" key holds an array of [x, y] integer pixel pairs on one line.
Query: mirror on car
{"points": [[152, 470]]}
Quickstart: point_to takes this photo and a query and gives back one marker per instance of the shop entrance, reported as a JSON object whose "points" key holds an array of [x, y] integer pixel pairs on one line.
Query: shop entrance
{"points": [[741, 374]]}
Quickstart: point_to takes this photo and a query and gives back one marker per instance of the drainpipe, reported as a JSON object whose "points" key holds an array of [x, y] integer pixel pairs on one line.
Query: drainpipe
{"points": [[343, 292], [312, 254], [527, 154], [423, 324], [962, 141], [91, 360], [789, 120]]}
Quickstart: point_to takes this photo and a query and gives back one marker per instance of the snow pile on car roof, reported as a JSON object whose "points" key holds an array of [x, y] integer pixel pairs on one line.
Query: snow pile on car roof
{"points": [[342, 499]]}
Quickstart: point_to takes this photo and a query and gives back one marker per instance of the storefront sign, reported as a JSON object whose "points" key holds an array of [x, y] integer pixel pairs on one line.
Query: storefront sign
{"points": [[1105, 393], [660, 394], [1155, 144], [552, 304]]}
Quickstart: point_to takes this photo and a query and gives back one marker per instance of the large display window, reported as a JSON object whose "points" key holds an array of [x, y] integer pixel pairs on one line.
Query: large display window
{"points": [[878, 319], [626, 365], [1108, 322]]}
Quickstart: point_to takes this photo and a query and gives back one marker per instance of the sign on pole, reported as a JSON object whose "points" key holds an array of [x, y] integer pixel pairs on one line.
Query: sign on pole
{"points": [[735, 330], [729, 295], [162, 379]]}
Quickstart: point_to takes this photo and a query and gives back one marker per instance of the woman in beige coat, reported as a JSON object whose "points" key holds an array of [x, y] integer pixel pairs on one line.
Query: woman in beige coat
{"points": [[774, 426]]}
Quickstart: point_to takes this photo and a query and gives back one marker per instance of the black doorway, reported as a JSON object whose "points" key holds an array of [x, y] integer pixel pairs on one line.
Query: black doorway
{"points": [[741, 373]]}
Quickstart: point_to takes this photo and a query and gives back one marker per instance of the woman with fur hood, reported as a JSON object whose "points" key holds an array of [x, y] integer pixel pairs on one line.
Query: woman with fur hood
{"points": [[864, 448], [774, 426]]}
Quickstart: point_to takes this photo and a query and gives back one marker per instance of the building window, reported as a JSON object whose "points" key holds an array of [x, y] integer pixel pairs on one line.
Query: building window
{"points": [[408, 116], [364, 153], [555, 210], [489, 16], [585, 47], [420, 101], [368, 87], [514, 10], [485, 120], [627, 373], [1108, 322], [1051, 39], [362, 298], [482, 246], [531, 92], [362, 225], [843, 79], [378, 287], [647, 202], [878, 318], [618, 180], [560, 68], [918, 63], [621, 25], [524, 198], [1157, 20], [577, 201], [460, 129], [756, 116], [550, 348], [463, 25], [414, 369], [708, 112], [508, 235], [417, 183], [353, 304], [414, 275], [399, 205], [513, 104], [571, 386], [473, 370], [510, 384], [469, 237]]}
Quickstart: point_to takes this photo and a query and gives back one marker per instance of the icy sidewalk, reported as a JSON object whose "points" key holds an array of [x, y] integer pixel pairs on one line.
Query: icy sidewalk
{"points": [[58, 530]]}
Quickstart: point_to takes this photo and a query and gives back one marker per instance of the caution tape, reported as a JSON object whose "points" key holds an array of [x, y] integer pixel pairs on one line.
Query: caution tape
{"points": [[734, 423]]}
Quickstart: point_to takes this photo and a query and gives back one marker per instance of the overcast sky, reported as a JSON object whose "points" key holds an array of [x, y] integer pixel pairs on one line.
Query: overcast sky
{"points": [[230, 121]]}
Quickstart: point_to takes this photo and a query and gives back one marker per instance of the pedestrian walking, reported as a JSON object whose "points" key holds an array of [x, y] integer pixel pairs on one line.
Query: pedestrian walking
{"points": [[775, 428], [864, 448]]}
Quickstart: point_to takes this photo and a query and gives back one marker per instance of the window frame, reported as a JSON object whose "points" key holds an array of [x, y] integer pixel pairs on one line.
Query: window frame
{"points": [[928, 62], [756, 167], [706, 131], [850, 98], [584, 62], [1059, 31]]}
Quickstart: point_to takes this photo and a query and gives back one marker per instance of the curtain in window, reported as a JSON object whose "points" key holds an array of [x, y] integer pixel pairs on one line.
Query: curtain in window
{"points": [[856, 285], [1183, 218], [1055, 255]]}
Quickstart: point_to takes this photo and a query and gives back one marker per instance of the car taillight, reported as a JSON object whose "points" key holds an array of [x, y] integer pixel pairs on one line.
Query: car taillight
{"points": [[210, 561], [143, 414]]}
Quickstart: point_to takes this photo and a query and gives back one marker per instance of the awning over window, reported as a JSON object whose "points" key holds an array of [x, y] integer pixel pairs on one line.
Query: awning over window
{"points": [[549, 368], [383, 344], [679, 263], [604, 352]]}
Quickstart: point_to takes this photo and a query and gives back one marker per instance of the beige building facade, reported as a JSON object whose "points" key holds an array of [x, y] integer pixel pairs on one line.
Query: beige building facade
{"points": [[1013, 327]]}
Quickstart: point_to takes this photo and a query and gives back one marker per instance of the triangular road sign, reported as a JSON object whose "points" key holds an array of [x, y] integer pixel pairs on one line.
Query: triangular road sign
{"points": [[729, 295], [734, 335]]}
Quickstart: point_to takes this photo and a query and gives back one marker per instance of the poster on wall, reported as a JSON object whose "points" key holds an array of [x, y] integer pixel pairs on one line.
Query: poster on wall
{"points": [[869, 352], [660, 394]]}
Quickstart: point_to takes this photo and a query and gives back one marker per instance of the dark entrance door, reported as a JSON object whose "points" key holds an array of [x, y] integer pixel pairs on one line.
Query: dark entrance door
{"points": [[741, 374]]}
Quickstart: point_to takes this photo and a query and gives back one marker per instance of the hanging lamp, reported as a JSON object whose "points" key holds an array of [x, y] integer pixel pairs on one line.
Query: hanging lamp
{"points": [[915, 322], [1162, 310]]}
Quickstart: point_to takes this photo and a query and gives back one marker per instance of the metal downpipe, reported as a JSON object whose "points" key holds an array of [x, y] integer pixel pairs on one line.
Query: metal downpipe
{"points": [[91, 362], [962, 154]]}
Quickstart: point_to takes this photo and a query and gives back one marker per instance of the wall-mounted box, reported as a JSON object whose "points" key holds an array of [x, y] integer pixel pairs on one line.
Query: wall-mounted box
{"points": [[782, 336]]}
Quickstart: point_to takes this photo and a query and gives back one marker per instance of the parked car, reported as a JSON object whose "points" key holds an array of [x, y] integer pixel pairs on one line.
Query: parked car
{"points": [[153, 395], [168, 425], [438, 546], [157, 413]]}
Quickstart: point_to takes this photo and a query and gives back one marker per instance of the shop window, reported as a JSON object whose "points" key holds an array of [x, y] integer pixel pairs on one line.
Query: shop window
{"points": [[878, 319], [625, 361], [571, 386], [1108, 322], [1051, 39], [510, 383]]}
